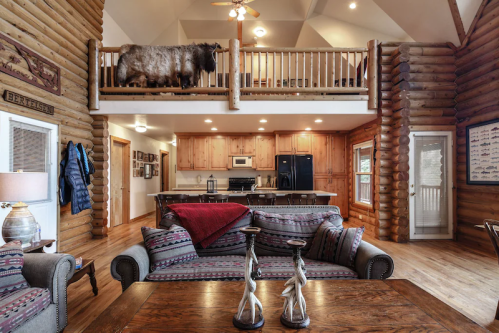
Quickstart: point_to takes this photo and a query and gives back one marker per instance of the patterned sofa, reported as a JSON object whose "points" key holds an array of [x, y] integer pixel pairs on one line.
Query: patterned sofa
{"points": [[225, 259], [40, 306]]}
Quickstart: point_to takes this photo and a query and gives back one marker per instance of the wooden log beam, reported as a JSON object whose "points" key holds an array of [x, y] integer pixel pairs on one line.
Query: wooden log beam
{"points": [[457, 20]]}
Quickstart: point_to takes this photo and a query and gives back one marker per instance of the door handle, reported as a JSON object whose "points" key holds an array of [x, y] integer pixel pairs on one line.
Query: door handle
{"points": [[413, 194]]}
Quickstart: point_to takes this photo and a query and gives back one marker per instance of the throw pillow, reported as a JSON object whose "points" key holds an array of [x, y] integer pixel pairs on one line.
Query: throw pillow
{"points": [[11, 265], [336, 245], [168, 247], [277, 229]]}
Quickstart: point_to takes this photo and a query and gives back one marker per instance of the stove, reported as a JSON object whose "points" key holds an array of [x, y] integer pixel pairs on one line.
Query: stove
{"points": [[241, 183]]}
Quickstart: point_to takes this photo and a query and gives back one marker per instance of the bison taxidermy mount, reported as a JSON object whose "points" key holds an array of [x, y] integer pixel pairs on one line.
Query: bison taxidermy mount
{"points": [[150, 66]]}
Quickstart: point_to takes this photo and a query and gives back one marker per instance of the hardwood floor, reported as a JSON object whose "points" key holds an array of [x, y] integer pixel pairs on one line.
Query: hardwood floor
{"points": [[462, 277]]}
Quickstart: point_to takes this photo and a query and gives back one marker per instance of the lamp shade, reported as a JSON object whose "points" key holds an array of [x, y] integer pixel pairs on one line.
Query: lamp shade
{"points": [[23, 186]]}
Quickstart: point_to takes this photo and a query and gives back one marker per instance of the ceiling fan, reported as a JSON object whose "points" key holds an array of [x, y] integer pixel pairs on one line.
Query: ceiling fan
{"points": [[239, 9]]}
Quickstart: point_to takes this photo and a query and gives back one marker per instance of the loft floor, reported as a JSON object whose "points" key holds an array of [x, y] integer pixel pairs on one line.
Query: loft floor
{"points": [[459, 276]]}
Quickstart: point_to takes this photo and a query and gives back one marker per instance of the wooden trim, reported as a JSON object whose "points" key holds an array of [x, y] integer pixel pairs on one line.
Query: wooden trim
{"points": [[164, 98], [372, 173], [304, 91], [214, 90], [161, 153], [303, 49], [143, 216], [257, 97], [126, 178], [473, 24], [457, 20]]}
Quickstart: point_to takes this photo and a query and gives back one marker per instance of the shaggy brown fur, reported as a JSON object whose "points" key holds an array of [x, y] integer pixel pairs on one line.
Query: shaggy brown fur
{"points": [[164, 65]]}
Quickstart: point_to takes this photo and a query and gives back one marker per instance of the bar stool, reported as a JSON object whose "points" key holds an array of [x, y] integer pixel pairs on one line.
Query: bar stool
{"points": [[494, 237], [267, 199], [293, 197], [213, 198], [163, 200]]}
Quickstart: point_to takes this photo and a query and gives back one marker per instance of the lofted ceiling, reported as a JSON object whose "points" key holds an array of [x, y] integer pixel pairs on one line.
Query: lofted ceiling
{"points": [[291, 22]]}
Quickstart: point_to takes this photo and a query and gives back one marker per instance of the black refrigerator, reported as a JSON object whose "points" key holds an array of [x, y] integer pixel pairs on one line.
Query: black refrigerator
{"points": [[295, 172]]}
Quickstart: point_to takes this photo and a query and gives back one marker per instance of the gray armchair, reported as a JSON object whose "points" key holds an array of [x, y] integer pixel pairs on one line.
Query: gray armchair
{"points": [[50, 271]]}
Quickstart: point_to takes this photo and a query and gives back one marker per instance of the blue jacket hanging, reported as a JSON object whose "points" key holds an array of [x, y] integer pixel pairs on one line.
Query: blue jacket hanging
{"points": [[82, 156], [72, 187]]}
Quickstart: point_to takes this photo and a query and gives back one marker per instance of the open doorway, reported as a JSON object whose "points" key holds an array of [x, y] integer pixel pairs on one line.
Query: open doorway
{"points": [[165, 170], [120, 181]]}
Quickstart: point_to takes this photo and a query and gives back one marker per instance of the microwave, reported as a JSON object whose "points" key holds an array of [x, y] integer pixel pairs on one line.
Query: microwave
{"points": [[242, 162]]}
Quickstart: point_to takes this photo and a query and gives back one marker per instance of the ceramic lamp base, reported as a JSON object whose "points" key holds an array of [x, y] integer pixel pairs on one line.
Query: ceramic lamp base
{"points": [[20, 224], [296, 322], [246, 323]]}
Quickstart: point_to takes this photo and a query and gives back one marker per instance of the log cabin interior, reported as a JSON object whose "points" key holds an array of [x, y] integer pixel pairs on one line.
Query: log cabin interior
{"points": [[349, 147]]}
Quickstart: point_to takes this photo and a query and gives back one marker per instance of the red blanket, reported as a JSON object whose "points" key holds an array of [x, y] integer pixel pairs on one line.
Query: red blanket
{"points": [[207, 222]]}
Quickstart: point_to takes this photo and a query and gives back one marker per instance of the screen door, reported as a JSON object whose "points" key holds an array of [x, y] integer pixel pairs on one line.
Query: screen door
{"points": [[430, 185]]}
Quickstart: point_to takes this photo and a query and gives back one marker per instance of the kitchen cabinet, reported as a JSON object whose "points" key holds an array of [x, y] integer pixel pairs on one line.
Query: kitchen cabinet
{"points": [[321, 183], [184, 153], [218, 153], [339, 186], [321, 149], [338, 155], [242, 145], [200, 152], [265, 152], [292, 144]]}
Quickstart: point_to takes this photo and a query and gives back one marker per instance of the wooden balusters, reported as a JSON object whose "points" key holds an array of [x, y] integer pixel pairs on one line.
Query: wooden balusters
{"points": [[273, 77], [340, 81]]}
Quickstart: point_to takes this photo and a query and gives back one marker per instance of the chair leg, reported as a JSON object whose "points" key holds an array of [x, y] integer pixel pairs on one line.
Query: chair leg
{"points": [[497, 311]]}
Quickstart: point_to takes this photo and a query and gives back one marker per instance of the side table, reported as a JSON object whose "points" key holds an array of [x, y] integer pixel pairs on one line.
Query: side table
{"points": [[38, 246], [87, 267]]}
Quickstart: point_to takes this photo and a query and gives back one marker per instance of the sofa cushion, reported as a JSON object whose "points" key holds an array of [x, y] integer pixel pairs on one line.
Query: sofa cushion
{"points": [[167, 247], [233, 242], [231, 268], [277, 229], [19, 306], [336, 245], [11, 265]]}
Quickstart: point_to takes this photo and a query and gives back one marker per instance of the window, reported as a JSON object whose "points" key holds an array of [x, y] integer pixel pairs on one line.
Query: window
{"points": [[363, 173]]}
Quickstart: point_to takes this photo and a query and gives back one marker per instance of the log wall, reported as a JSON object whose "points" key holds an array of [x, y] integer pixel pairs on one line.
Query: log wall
{"points": [[477, 101], [58, 30]]}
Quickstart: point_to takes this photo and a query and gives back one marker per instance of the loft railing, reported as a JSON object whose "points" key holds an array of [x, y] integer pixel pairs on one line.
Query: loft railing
{"points": [[253, 73]]}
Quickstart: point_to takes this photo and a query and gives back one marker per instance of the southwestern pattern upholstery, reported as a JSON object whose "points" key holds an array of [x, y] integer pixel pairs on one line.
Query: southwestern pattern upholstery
{"points": [[335, 244], [11, 265], [277, 229], [369, 262], [17, 307], [168, 247]]}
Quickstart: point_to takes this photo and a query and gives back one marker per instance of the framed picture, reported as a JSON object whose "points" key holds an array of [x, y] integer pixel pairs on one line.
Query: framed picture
{"points": [[134, 154], [135, 172], [140, 156], [141, 165], [148, 171], [141, 172], [134, 164], [482, 158], [284, 83], [151, 158], [156, 166], [156, 158], [146, 157]]}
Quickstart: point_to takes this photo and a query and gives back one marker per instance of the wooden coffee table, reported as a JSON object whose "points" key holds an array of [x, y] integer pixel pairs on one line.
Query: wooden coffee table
{"points": [[333, 305]]}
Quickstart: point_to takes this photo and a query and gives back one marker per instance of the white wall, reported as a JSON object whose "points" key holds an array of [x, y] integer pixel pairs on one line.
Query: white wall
{"points": [[140, 203], [113, 35]]}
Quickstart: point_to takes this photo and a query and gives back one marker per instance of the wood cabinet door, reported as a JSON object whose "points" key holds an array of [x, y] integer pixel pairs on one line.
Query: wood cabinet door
{"points": [[339, 160], [285, 144], [339, 186], [184, 153], [322, 154], [303, 143], [234, 145], [218, 153], [249, 145], [265, 153], [321, 183], [200, 152]]}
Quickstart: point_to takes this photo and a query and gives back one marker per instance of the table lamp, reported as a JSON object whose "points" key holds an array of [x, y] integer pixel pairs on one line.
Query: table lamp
{"points": [[20, 186]]}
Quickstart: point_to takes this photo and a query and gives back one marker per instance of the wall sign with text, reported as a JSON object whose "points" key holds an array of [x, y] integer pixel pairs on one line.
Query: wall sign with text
{"points": [[482, 143]]}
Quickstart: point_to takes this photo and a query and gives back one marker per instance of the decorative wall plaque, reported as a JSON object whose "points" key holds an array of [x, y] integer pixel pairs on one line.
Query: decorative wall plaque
{"points": [[482, 141], [31, 103], [24, 64]]}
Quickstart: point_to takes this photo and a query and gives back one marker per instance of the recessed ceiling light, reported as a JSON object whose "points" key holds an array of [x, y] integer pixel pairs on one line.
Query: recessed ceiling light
{"points": [[260, 32], [208, 121], [318, 120], [261, 129], [263, 120], [214, 129], [353, 5], [141, 128], [308, 129]]}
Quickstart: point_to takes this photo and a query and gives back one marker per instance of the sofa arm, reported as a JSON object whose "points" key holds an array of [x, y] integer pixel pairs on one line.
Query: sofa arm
{"points": [[372, 263], [131, 265], [51, 271]]}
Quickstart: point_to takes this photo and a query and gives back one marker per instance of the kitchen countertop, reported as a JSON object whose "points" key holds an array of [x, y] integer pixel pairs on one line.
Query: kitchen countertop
{"points": [[201, 188], [239, 194]]}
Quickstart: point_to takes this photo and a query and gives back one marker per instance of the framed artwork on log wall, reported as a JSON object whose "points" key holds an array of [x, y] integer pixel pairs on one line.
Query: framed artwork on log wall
{"points": [[482, 153]]}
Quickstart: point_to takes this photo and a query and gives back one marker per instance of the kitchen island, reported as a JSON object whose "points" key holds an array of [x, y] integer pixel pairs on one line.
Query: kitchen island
{"points": [[323, 198]]}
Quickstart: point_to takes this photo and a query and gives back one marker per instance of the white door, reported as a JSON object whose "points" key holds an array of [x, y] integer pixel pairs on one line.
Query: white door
{"points": [[430, 185], [31, 145]]}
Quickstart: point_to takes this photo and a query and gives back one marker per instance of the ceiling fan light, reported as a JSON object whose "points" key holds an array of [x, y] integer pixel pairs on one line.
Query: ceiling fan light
{"points": [[242, 10], [353, 5], [240, 17], [232, 13], [260, 32], [140, 128]]}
